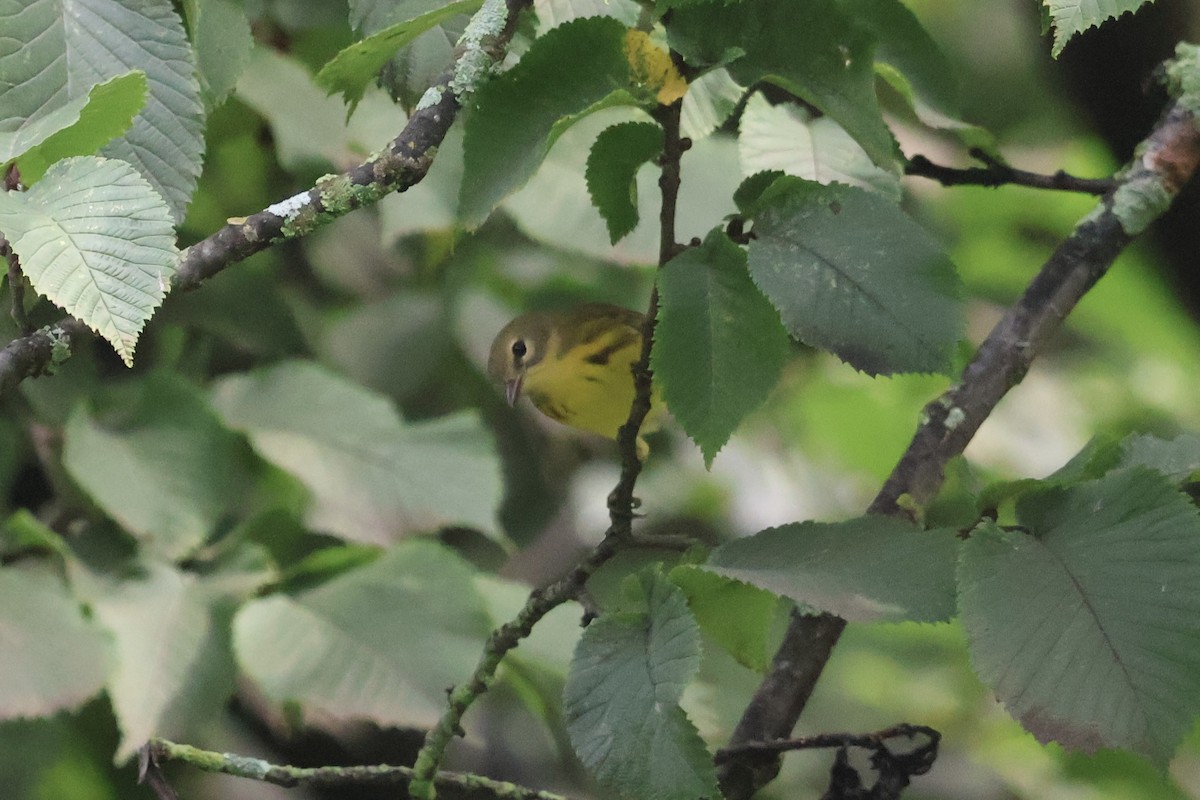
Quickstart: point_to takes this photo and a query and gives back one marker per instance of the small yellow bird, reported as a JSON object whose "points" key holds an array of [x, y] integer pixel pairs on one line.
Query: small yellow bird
{"points": [[575, 366]]}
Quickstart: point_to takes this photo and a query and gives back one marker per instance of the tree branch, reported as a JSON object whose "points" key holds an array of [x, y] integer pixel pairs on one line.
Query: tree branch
{"points": [[450, 785], [399, 166], [1166, 160], [996, 173]]}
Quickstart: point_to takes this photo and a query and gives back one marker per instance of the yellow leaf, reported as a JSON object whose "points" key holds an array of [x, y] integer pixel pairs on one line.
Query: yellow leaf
{"points": [[651, 67]]}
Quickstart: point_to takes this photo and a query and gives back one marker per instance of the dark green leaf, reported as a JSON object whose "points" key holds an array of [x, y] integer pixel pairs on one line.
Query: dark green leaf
{"points": [[870, 569], [718, 347], [354, 68], [749, 194], [1178, 459], [622, 701], [1087, 626], [912, 63], [812, 49], [850, 273], [380, 643], [515, 118], [735, 615], [1071, 17], [612, 172]]}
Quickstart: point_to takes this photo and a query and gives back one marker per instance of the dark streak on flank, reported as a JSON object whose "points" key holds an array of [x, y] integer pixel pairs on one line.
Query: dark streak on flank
{"points": [[601, 357], [591, 379]]}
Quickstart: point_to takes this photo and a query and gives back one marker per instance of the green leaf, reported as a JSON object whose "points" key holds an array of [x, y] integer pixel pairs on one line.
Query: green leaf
{"points": [[709, 170], [95, 239], [622, 701], [552, 13], [911, 62], [710, 100], [373, 478], [155, 458], [222, 40], [53, 657], [380, 643], [355, 67], [33, 77], [1177, 459], [173, 670], [612, 172], [870, 569], [166, 142], [811, 49], [735, 615], [1086, 627], [718, 346], [23, 531], [109, 111], [578, 67], [850, 273], [1071, 17], [786, 137]]}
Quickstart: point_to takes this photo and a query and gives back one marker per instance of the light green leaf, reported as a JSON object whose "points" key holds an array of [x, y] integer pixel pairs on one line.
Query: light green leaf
{"points": [[1086, 622], [96, 240], [515, 118], [356, 66], [53, 657], [710, 100], [622, 701], [870, 569], [1071, 17], [380, 643], [155, 458], [166, 143], [173, 669], [787, 138], [850, 273], [373, 478], [719, 346], [109, 111], [812, 49], [612, 172], [735, 615], [222, 41], [552, 13]]}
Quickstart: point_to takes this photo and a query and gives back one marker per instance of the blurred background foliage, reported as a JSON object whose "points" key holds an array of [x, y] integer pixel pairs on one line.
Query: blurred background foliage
{"points": [[392, 298]]}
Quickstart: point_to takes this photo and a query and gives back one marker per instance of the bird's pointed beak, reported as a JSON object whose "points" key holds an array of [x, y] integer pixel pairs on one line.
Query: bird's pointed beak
{"points": [[512, 390]]}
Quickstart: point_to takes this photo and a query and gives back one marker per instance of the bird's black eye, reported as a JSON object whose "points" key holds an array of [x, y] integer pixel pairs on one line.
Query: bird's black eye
{"points": [[518, 349]]}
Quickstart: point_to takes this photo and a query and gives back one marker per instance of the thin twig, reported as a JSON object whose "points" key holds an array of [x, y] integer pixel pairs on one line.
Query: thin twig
{"points": [[996, 173], [620, 504], [1168, 159], [823, 741], [450, 785]]}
